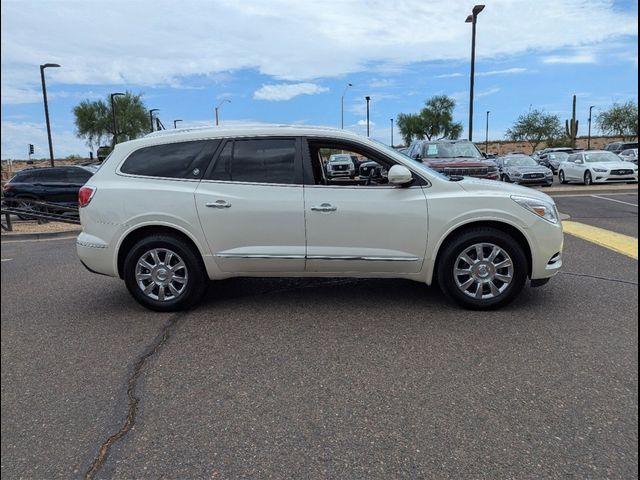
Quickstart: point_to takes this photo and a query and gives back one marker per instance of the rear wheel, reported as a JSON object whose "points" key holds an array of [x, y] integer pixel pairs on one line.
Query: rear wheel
{"points": [[29, 205], [164, 273], [561, 177], [482, 269]]}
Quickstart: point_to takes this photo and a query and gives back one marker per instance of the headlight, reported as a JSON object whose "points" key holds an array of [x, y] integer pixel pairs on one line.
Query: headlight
{"points": [[541, 208], [600, 170], [492, 169], [548, 173], [516, 174]]}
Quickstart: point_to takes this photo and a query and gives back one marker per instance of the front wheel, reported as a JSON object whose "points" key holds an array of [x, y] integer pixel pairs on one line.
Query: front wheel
{"points": [[588, 179], [164, 273], [504, 178], [561, 177], [482, 269]]}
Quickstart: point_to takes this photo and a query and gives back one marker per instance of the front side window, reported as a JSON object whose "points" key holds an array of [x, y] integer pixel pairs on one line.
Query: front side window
{"points": [[186, 160], [257, 161]]}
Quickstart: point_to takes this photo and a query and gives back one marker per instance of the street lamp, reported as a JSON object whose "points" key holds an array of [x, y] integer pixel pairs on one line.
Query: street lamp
{"points": [[367, 98], [46, 106], [589, 134], [486, 135], [342, 104], [151, 116], [174, 123], [220, 105], [113, 116], [472, 19], [391, 132]]}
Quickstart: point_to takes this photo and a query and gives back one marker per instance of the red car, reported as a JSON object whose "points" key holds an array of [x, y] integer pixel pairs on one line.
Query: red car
{"points": [[454, 157]]}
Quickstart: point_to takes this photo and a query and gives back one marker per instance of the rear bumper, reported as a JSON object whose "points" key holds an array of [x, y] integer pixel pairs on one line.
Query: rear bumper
{"points": [[95, 255]]}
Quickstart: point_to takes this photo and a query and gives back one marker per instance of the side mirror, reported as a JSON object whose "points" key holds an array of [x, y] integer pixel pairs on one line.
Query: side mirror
{"points": [[418, 157], [579, 162], [399, 175]]}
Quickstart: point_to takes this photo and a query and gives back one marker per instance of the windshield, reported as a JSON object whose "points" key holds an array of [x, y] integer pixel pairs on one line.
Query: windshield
{"points": [[601, 157], [522, 161], [450, 150], [560, 156]]}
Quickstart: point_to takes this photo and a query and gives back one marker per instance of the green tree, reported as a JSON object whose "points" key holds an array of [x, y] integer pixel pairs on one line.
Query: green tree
{"points": [[435, 120], [535, 127], [620, 120], [94, 121]]}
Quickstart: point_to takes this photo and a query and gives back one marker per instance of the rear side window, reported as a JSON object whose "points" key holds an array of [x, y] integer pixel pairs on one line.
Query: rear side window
{"points": [[55, 175], [186, 160], [257, 161]]}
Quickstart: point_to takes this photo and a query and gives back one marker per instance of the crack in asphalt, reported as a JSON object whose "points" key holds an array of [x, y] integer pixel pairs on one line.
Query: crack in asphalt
{"points": [[615, 280], [133, 400]]}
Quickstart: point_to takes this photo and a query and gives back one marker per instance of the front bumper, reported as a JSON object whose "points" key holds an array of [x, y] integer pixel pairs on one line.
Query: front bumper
{"points": [[607, 177]]}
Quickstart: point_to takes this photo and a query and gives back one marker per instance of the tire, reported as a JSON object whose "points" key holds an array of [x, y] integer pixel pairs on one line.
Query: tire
{"points": [[561, 177], [504, 178], [503, 292], [26, 203], [588, 179], [163, 277]]}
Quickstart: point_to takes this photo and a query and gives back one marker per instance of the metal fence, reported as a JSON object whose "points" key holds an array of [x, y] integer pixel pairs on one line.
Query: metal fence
{"points": [[41, 211]]}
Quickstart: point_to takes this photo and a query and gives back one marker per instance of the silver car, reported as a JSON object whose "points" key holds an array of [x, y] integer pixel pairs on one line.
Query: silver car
{"points": [[341, 165], [522, 169], [629, 155]]}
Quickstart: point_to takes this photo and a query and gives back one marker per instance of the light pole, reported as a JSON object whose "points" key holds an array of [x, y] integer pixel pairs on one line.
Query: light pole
{"points": [[486, 135], [151, 116], [589, 134], [175, 122], [113, 116], [472, 19], [391, 132], [220, 105], [46, 106], [367, 98], [342, 104]]}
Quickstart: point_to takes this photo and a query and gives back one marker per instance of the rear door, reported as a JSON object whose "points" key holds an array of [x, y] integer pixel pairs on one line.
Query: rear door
{"points": [[251, 206]]}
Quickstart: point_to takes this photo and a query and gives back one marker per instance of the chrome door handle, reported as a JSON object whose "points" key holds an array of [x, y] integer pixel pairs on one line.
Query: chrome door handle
{"points": [[218, 204], [324, 207]]}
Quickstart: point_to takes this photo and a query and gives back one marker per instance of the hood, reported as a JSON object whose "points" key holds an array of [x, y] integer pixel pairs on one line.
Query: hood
{"points": [[478, 185], [458, 163], [612, 165]]}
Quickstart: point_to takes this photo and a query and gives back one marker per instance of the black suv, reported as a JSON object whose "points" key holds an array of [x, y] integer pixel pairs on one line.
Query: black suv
{"points": [[58, 185]]}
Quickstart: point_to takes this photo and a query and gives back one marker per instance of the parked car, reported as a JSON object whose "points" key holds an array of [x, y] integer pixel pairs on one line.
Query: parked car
{"points": [[523, 170], [617, 147], [373, 170], [454, 158], [596, 166], [629, 155], [341, 165], [553, 157], [167, 213], [55, 185]]}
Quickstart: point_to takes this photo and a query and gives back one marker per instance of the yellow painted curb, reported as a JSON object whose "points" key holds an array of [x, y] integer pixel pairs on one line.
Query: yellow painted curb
{"points": [[605, 238]]}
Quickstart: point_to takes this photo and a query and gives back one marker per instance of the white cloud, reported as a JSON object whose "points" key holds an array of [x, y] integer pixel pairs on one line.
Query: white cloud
{"points": [[286, 39], [574, 58], [506, 71], [449, 75], [287, 91], [487, 92], [17, 135]]}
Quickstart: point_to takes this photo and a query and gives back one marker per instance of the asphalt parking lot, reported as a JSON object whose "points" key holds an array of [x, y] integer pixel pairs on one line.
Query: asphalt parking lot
{"points": [[330, 378]]}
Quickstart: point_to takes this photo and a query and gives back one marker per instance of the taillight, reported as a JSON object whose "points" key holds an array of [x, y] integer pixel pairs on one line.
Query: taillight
{"points": [[7, 187], [85, 195]]}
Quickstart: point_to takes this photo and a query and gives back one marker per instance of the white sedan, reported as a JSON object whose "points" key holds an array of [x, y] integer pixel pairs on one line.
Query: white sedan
{"points": [[596, 166]]}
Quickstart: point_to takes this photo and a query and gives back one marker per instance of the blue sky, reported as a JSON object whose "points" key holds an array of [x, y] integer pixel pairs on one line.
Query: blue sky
{"points": [[286, 61]]}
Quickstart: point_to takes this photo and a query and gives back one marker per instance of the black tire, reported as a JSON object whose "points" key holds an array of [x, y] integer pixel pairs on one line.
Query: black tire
{"points": [[27, 203], [588, 179], [504, 178], [194, 287], [457, 245], [561, 177]]}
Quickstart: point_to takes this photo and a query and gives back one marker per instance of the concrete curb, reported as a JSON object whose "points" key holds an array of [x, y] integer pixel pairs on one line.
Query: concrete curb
{"points": [[6, 237]]}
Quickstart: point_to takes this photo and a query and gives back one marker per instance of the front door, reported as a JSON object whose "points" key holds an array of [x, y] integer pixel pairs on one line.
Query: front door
{"points": [[362, 225], [251, 206]]}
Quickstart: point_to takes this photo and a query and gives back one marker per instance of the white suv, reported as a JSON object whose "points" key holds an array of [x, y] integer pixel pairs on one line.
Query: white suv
{"points": [[171, 211]]}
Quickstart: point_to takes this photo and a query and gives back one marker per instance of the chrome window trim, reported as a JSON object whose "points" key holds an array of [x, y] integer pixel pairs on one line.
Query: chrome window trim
{"points": [[316, 257]]}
